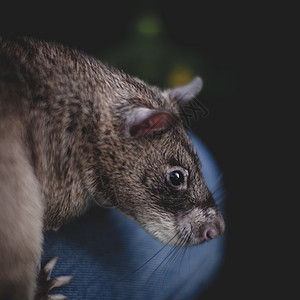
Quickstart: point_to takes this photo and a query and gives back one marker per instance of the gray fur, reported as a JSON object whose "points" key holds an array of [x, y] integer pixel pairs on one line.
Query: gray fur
{"points": [[66, 141]]}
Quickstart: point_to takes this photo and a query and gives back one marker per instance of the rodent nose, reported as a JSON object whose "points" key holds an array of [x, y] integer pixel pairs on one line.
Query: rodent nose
{"points": [[210, 232]]}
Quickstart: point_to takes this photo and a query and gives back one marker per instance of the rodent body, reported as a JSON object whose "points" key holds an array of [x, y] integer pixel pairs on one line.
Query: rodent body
{"points": [[74, 132]]}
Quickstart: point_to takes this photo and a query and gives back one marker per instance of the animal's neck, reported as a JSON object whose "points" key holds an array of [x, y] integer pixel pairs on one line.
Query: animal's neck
{"points": [[63, 145], [62, 97]]}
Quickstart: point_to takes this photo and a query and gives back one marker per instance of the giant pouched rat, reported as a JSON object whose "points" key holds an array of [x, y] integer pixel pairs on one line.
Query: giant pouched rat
{"points": [[73, 132]]}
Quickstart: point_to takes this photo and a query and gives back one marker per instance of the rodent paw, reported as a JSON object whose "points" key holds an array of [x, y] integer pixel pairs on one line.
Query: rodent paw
{"points": [[45, 284]]}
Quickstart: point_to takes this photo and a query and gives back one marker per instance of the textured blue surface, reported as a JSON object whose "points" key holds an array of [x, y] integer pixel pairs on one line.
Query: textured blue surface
{"points": [[111, 257]]}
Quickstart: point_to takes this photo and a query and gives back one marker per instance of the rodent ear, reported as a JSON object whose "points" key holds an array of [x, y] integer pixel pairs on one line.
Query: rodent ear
{"points": [[145, 121], [184, 93]]}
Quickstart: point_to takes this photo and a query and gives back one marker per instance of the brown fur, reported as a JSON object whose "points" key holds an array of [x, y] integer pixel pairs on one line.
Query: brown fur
{"points": [[62, 121]]}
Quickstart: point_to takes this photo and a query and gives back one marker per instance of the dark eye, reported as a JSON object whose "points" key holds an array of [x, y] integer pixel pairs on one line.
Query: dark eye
{"points": [[176, 178]]}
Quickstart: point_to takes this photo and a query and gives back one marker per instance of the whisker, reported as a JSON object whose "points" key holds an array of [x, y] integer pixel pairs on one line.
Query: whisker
{"points": [[167, 262], [177, 256], [147, 261], [219, 181], [180, 249], [161, 263], [186, 244], [183, 251], [220, 196], [222, 206], [218, 188]]}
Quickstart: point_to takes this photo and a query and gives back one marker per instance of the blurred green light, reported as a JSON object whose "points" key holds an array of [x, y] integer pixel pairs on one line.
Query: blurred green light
{"points": [[180, 74], [148, 26]]}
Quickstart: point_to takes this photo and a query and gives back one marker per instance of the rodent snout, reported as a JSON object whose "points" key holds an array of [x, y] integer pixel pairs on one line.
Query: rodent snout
{"points": [[202, 225], [210, 232]]}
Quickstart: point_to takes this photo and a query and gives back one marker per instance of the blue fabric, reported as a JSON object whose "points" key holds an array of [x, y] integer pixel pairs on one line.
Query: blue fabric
{"points": [[111, 257]]}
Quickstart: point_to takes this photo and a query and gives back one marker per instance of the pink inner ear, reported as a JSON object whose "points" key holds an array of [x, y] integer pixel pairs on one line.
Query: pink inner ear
{"points": [[152, 124]]}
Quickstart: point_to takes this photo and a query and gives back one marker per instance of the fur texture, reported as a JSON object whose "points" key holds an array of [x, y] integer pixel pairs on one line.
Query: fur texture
{"points": [[74, 131]]}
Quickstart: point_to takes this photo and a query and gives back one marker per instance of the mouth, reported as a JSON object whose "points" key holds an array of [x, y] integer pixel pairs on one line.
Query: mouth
{"points": [[198, 226], [193, 227]]}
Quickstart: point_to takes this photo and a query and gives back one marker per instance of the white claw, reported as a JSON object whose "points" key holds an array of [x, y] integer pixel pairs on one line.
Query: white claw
{"points": [[47, 284], [60, 281], [57, 297], [50, 265]]}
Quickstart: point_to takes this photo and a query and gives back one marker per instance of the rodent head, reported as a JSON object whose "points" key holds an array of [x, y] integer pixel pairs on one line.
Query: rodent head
{"points": [[156, 177]]}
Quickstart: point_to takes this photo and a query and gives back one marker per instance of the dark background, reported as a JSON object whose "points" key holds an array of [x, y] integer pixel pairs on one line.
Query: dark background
{"points": [[235, 46]]}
